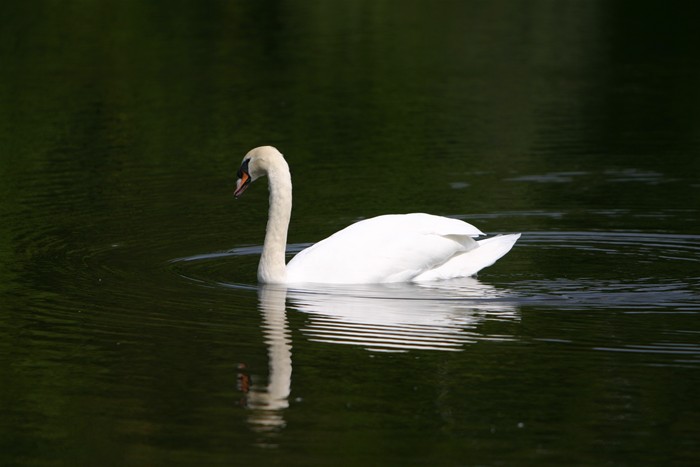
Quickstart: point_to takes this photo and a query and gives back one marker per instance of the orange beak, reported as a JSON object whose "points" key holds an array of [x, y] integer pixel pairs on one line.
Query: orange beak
{"points": [[241, 184]]}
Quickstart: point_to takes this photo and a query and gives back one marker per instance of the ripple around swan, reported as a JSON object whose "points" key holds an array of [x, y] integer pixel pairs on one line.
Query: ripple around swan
{"points": [[389, 317], [637, 283], [633, 251], [675, 247], [451, 314]]}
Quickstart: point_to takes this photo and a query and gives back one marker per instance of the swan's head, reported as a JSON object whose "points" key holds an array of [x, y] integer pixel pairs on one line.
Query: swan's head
{"points": [[258, 162]]}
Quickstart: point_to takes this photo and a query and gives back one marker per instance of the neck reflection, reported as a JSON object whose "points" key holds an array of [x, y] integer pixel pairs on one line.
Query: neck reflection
{"points": [[267, 403]]}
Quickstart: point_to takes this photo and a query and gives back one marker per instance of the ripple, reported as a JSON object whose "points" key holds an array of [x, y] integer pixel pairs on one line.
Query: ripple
{"points": [[450, 315], [686, 354], [636, 175], [686, 246], [638, 271], [390, 317], [601, 247], [552, 177]]}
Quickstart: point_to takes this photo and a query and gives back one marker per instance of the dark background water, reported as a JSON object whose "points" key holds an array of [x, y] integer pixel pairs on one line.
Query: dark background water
{"points": [[132, 331]]}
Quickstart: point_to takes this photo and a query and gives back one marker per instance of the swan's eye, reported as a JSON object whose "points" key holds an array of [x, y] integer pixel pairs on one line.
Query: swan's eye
{"points": [[243, 169]]}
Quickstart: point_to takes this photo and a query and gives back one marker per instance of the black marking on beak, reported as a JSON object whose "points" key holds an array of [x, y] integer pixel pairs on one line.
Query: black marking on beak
{"points": [[243, 169]]}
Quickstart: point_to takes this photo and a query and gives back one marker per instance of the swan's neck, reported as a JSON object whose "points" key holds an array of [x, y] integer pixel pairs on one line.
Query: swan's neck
{"points": [[272, 268]]}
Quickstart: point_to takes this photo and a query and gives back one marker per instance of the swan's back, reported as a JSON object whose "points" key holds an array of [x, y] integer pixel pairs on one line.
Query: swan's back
{"points": [[393, 248]]}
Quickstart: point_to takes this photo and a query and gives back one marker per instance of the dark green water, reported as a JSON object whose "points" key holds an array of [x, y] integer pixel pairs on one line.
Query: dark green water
{"points": [[132, 331]]}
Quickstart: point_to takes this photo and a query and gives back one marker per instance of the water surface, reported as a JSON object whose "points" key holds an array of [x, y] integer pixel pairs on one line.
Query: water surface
{"points": [[132, 329]]}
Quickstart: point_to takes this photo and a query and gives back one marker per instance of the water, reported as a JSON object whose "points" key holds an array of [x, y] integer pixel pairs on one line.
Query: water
{"points": [[132, 330]]}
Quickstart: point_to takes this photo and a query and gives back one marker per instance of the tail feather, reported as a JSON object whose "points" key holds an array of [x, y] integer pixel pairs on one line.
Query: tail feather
{"points": [[470, 262], [491, 250]]}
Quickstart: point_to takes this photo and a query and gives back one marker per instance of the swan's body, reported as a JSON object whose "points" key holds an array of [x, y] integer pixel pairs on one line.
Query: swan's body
{"points": [[390, 248]]}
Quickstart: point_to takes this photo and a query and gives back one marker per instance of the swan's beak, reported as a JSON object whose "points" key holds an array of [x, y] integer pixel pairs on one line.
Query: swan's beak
{"points": [[241, 184]]}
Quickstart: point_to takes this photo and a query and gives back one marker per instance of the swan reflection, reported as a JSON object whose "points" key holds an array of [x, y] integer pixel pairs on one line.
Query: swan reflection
{"points": [[440, 315], [397, 317]]}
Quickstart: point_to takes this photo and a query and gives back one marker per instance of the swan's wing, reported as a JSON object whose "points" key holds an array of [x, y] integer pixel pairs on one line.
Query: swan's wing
{"points": [[392, 248]]}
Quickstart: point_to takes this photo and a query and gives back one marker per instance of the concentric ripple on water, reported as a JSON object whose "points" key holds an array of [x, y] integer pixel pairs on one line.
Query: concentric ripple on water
{"points": [[451, 314]]}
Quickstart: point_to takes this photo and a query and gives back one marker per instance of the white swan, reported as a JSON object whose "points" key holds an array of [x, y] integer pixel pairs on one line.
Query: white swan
{"points": [[389, 248]]}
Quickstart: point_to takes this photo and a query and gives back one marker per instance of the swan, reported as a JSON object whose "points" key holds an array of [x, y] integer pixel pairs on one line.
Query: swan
{"points": [[389, 248]]}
